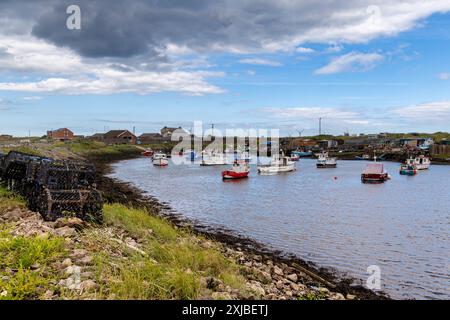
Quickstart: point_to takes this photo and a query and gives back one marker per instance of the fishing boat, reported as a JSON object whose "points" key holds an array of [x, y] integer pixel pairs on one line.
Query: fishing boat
{"points": [[213, 159], [363, 157], [324, 161], [277, 165], [160, 160], [421, 162], [302, 153], [408, 169], [295, 157], [239, 170], [374, 173], [148, 153]]}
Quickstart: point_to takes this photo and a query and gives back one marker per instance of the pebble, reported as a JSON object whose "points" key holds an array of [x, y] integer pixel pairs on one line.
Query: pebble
{"points": [[66, 263], [293, 277], [88, 285]]}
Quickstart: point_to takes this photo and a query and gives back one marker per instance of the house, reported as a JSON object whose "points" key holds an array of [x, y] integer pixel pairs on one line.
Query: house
{"points": [[167, 132], [422, 143], [150, 137], [119, 137], [62, 134], [5, 137], [97, 137], [327, 144], [302, 143]]}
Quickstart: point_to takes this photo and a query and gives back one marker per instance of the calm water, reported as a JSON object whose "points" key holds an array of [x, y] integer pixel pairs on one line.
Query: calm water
{"points": [[403, 225]]}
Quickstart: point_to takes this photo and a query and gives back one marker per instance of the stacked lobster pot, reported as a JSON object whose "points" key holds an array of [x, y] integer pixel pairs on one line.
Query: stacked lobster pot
{"points": [[54, 188]]}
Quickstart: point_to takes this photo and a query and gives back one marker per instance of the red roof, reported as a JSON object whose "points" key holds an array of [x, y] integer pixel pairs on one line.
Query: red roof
{"points": [[374, 168]]}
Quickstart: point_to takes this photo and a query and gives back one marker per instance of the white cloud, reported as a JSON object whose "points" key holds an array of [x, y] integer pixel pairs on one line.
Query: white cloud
{"points": [[261, 62], [60, 70], [432, 111], [304, 50], [353, 61], [311, 113], [32, 98], [444, 76]]}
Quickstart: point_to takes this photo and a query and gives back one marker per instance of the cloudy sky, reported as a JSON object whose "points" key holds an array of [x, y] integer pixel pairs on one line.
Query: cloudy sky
{"points": [[362, 66]]}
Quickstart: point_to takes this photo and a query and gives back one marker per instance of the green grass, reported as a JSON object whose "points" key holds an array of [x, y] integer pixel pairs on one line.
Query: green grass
{"points": [[171, 268], [24, 149], [9, 200], [25, 265]]}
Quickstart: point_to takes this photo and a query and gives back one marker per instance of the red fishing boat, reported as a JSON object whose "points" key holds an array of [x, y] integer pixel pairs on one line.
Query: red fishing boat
{"points": [[374, 172], [238, 171], [148, 153]]}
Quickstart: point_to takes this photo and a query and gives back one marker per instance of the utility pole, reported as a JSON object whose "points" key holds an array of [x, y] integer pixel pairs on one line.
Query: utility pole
{"points": [[320, 126]]}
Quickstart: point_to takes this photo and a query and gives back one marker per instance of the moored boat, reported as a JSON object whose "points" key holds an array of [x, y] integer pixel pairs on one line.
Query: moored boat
{"points": [[324, 161], [374, 173], [363, 157], [421, 162], [408, 169], [295, 157], [239, 170], [213, 159], [160, 160], [148, 153], [302, 153], [277, 165]]}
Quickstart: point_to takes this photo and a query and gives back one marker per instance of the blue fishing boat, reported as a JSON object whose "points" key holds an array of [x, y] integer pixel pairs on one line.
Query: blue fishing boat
{"points": [[302, 153]]}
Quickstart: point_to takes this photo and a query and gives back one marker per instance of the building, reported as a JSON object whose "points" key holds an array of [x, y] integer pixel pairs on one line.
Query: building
{"points": [[146, 138], [167, 132], [62, 134], [302, 143], [117, 137], [423, 143], [327, 144], [440, 149]]}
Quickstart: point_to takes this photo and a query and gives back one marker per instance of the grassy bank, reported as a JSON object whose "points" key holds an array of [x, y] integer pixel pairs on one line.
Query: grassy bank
{"points": [[134, 256]]}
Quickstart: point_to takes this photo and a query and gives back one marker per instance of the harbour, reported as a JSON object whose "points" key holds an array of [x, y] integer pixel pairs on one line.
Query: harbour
{"points": [[327, 217]]}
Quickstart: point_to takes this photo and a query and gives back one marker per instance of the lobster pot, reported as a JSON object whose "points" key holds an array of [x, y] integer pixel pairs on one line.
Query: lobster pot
{"points": [[84, 204]]}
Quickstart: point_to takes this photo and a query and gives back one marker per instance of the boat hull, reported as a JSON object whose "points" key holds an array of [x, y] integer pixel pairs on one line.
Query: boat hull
{"points": [[228, 175], [374, 177], [160, 162], [326, 165], [277, 169]]}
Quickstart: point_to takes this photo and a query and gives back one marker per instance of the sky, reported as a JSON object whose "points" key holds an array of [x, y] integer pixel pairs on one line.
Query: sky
{"points": [[362, 66]]}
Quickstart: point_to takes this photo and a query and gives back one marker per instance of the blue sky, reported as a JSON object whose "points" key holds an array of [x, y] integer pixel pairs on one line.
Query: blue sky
{"points": [[396, 81]]}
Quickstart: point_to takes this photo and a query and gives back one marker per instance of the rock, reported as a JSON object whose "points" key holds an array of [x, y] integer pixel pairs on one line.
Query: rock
{"points": [[248, 264], [70, 222], [324, 290], [262, 276], [87, 260], [221, 296], [289, 293], [65, 232], [48, 295], [87, 274], [212, 283], [256, 288], [73, 270], [78, 253], [350, 296], [338, 296], [295, 286], [293, 277], [66, 263], [5, 278], [280, 284], [88, 285], [277, 270]]}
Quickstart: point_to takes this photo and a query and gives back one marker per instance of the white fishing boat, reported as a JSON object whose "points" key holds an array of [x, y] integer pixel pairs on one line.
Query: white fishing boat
{"points": [[421, 162], [160, 160], [324, 161], [213, 159], [277, 165]]}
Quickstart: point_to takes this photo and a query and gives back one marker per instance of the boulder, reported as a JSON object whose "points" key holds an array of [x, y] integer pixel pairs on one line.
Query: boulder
{"points": [[293, 277]]}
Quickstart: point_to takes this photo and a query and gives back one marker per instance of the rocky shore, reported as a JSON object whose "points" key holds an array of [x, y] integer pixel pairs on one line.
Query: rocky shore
{"points": [[75, 270], [272, 274]]}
